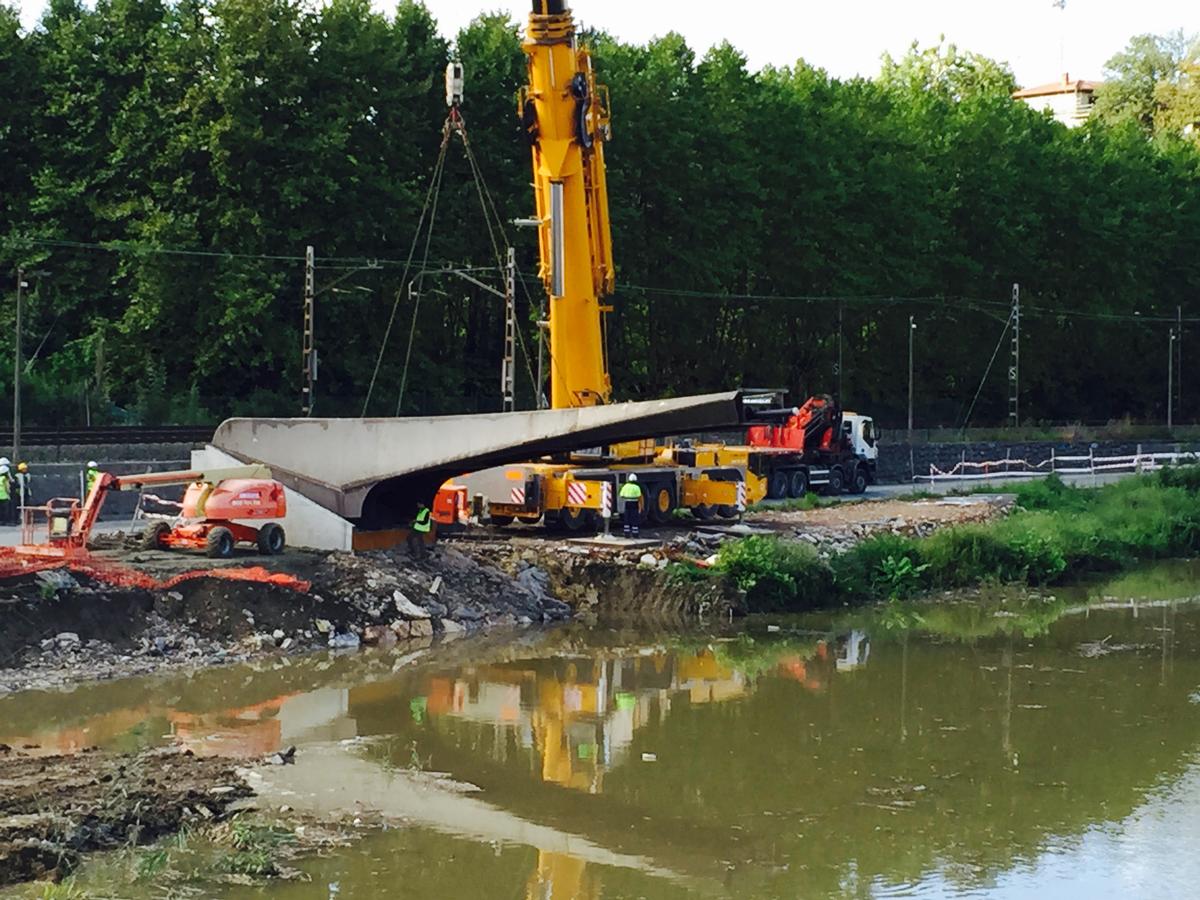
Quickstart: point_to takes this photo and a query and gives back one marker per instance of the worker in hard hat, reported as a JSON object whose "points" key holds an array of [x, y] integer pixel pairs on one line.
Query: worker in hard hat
{"points": [[422, 523], [24, 485], [91, 477], [631, 502], [7, 516]]}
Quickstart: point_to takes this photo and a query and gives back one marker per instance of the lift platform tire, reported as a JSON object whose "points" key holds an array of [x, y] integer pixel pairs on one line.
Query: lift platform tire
{"points": [[727, 512], [501, 521], [271, 539], [529, 520], [777, 485], [797, 484], [859, 480], [660, 503], [219, 543], [154, 537], [837, 482], [704, 513]]}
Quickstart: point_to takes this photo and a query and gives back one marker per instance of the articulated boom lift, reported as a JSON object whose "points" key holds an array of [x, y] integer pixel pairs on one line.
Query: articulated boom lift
{"points": [[565, 115]]}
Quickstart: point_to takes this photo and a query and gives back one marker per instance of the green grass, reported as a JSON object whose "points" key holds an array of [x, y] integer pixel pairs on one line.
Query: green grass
{"points": [[1056, 534]]}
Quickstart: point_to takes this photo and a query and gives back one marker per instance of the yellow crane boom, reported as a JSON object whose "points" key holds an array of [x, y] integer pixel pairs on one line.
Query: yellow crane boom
{"points": [[565, 116]]}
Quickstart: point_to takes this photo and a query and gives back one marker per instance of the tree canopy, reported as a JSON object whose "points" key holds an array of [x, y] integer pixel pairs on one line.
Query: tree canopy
{"points": [[167, 163]]}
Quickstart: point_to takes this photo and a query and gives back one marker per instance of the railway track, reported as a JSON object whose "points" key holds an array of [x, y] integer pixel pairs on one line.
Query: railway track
{"points": [[131, 434]]}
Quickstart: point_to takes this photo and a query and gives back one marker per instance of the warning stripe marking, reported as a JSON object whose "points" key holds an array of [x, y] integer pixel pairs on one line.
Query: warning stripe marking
{"points": [[517, 495], [577, 493]]}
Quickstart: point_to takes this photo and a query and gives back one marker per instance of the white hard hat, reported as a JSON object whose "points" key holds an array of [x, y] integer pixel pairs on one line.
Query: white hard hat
{"points": [[633, 476], [4, 461], [91, 463], [3, 468]]}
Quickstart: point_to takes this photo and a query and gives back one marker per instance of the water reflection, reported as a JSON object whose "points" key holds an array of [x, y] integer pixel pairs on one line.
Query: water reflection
{"points": [[990, 749]]}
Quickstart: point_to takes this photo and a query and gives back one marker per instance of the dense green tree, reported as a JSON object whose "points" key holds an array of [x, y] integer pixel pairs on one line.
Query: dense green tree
{"points": [[169, 161], [1138, 80]]}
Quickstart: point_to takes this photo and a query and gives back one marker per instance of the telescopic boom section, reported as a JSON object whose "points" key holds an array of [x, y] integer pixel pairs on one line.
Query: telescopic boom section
{"points": [[565, 116]]}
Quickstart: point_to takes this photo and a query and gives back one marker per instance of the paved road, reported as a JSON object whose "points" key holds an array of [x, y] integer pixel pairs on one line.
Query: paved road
{"points": [[998, 483]]}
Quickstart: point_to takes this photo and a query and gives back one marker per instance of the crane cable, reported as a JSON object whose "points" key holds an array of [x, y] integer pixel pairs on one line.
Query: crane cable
{"points": [[491, 217], [434, 185]]}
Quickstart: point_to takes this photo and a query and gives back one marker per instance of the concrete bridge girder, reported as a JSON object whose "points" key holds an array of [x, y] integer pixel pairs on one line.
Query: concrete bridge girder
{"points": [[374, 470]]}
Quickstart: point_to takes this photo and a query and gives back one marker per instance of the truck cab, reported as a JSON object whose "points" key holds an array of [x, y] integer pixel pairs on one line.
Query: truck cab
{"points": [[859, 431]]}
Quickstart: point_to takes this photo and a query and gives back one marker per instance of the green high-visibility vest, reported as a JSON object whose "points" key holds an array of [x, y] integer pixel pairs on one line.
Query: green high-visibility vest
{"points": [[422, 522], [631, 490], [4, 492], [92, 475]]}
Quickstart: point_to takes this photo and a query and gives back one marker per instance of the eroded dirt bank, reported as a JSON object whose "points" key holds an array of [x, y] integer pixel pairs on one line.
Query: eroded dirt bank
{"points": [[62, 626]]}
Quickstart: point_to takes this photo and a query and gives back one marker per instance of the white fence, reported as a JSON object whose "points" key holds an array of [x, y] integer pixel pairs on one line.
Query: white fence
{"points": [[1091, 464]]}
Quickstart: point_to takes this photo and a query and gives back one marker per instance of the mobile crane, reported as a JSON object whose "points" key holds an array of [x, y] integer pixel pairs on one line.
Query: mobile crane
{"points": [[565, 117]]}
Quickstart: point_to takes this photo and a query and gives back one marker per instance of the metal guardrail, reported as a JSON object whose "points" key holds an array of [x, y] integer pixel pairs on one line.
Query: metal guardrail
{"points": [[127, 434], [982, 470]]}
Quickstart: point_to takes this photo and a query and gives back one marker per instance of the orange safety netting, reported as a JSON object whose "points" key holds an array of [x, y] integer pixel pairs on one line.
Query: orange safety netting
{"points": [[13, 564]]}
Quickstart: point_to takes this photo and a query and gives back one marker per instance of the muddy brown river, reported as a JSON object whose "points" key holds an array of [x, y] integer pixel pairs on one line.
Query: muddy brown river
{"points": [[999, 747]]}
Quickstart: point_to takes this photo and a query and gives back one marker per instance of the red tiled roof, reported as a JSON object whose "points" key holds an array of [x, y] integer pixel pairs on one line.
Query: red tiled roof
{"points": [[1063, 86]]}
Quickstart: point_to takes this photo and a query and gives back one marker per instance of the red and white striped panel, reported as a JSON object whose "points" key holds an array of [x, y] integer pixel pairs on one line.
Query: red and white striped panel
{"points": [[577, 493], [606, 492], [517, 496], [741, 496]]}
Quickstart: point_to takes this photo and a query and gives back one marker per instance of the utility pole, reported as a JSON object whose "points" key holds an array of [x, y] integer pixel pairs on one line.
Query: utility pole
{"points": [[838, 367], [912, 327], [1014, 368], [16, 447], [509, 363], [1171, 380], [1179, 360], [309, 350]]}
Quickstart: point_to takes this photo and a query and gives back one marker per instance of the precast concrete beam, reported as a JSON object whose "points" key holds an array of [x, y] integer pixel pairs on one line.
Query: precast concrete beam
{"points": [[372, 470]]}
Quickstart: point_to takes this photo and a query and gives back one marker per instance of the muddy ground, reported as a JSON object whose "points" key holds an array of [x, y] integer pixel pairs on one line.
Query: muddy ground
{"points": [[53, 809]]}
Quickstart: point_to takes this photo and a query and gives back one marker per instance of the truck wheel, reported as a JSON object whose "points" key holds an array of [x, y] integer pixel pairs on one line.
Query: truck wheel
{"points": [[271, 539], [219, 543], [154, 537], [777, 486], [660, 503], [529, 520], [501, 521], [704, 513], [574, 520], [837, 481], [858, 481], [727, 512], [797, 484]]}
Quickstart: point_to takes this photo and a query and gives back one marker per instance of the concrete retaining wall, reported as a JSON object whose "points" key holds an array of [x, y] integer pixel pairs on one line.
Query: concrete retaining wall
{"points": [[64, 479]]}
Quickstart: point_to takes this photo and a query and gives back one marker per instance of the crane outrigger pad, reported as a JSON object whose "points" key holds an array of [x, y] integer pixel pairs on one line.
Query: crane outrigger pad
{"points": [[374, 469]]}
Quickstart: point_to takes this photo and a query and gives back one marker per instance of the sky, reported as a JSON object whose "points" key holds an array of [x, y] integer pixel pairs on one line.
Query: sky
{"points": [[847, 37]]}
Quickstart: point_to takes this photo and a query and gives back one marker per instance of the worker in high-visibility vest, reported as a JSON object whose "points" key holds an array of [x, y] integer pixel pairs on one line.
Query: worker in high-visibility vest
{"points": [[631, 499], [93, 474], [421, 526], [24, 485], [6, 504]]}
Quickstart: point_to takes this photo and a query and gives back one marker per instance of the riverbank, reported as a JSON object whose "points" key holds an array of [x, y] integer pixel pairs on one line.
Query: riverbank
{"points": [[127, 613], [1048, 534]]}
